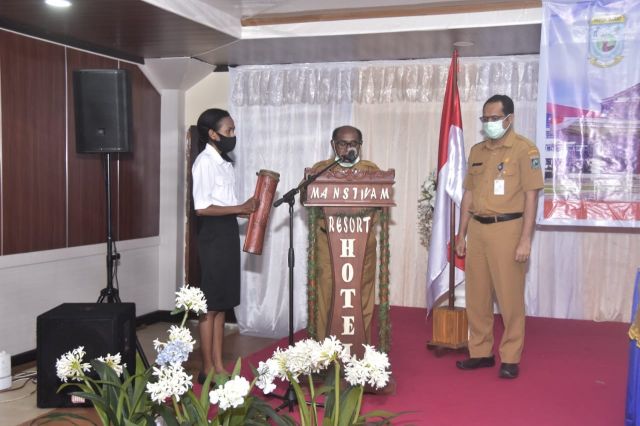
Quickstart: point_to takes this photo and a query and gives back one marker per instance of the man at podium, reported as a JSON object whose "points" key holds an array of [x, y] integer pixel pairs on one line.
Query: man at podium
{"points": [[346, 142]]}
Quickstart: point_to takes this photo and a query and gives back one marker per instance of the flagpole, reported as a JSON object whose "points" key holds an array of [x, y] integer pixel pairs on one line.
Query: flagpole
{"points": [[452, 220], [450, 326], [452, 253]]}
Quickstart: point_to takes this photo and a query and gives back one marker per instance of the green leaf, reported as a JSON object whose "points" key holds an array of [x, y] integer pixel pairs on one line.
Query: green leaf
{"points": [[100, 404], [204, 393], [386, 417], [168, 415], [139, 400], [302, 403], [237, 367], [348, 404], [195, 409], [254, 370], [176, 311], [329, 404], [261, 409], [324, 390], [81, 386]]}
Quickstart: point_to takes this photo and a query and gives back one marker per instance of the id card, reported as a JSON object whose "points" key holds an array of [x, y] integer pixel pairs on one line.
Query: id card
{"points": [[498, 187]]}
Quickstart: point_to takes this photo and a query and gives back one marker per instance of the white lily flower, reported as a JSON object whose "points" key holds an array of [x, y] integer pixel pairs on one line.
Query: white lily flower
{"points": [[331, 349], [231, 394], [182, 334], [371, 369], [113, 362], [191, 299], [70, 366], [173, 381], [267, 373]]}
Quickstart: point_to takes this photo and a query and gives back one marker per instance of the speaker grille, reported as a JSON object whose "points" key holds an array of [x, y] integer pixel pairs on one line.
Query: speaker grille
{"points": [[102, 100]]}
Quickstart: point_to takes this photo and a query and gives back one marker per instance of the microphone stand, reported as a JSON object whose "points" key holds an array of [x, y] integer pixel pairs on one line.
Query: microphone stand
{"points": [[289, 397]]}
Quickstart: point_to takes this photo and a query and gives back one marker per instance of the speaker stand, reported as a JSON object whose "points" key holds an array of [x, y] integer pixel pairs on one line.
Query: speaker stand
{"points": [[110, 294]]}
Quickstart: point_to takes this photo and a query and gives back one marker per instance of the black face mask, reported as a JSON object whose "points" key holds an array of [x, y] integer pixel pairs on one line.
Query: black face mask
{"points": [[225, 144]]}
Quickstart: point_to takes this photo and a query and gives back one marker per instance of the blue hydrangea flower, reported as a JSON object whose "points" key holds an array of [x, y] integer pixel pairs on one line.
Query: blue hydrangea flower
{"points": [[175, 352]]}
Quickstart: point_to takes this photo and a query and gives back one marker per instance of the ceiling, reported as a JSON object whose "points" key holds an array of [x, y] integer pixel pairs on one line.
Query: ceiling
{"points": [[241, 32], [391, 46]]}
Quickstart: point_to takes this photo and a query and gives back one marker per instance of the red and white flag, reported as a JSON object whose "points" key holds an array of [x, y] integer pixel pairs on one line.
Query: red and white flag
{"points": [[451, 171]]}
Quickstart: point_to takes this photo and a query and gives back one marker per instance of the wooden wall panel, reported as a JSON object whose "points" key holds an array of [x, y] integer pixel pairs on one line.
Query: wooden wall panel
{"points": [[139, 175], [51, 197], [87, 193], [33, 144]]}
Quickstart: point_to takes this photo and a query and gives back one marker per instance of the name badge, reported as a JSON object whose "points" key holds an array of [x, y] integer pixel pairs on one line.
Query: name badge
{"points": [[498, 186]]}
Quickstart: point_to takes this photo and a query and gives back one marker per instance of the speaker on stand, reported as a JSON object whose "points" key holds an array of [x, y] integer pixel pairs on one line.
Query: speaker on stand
{"points": [[102, 101], [102, 105]]}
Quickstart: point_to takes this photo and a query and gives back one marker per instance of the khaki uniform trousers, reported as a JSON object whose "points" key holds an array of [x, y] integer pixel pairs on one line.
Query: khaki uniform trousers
{"points": [[491, 269], [325, 284]]}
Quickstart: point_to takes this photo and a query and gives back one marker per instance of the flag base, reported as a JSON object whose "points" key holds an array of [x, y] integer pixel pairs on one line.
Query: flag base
{"points": [[450, 329]]}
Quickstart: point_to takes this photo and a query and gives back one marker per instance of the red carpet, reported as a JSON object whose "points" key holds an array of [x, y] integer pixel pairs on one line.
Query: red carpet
{"points": [[572, 373]]}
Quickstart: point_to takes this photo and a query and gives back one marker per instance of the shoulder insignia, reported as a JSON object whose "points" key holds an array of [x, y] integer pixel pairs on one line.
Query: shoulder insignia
{"points": [[535, 163]]}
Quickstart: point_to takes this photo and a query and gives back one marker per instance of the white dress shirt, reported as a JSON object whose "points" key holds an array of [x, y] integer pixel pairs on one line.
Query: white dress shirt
{"points": [[213, 180]]}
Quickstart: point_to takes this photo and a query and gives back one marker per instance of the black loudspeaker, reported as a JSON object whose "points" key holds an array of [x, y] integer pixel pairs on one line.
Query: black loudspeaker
{"points": [[100, 327], [102, 101]]}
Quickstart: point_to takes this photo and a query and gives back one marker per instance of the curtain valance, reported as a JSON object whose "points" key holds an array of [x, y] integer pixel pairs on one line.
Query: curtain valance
{"points": [[382, 82]]}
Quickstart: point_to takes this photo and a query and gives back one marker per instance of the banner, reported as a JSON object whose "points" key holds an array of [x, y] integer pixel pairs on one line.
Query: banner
{"points": [[451, 170], [589, 113]]}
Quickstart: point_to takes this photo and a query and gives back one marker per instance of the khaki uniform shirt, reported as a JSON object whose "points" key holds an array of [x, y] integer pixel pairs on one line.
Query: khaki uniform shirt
{"points": [[516, 161]]}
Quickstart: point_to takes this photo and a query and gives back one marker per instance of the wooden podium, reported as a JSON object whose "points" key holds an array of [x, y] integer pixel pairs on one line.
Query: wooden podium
{"points": [[349, 199]]}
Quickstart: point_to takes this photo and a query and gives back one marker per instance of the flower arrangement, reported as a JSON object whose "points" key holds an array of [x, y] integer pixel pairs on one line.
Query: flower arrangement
{"points": [[165, 389], [118, 397], [308, 357], [426, 206]]}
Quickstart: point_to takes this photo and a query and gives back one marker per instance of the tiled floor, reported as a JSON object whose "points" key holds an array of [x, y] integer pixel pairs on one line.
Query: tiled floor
{"points": [[18, 407]]}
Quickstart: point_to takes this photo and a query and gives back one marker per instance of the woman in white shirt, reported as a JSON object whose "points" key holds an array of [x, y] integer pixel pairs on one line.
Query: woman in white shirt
{"points": [[216, 206]]}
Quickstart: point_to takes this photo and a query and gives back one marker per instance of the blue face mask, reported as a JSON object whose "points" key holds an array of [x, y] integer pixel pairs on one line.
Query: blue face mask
{"points": [[494, 129]]}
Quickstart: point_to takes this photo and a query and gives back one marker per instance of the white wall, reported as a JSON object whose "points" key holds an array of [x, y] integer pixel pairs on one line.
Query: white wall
{"points": [[33, 283], [211, 92], [172, 150]]}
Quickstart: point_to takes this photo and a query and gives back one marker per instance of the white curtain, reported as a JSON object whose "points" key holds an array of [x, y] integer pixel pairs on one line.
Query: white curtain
{"points": [[284, 116], [283, 124]]}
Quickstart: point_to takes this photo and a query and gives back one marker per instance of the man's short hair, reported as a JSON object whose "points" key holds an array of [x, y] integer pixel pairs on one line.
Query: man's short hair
{"points": [[334, 135], [507, 103]]}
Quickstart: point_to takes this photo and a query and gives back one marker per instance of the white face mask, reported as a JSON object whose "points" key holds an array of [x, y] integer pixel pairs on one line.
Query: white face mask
{"points": [[494, 129], [350, 159]]}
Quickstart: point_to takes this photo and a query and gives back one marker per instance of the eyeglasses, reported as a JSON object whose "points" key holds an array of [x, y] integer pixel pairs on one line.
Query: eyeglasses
{"points": [[348, 144], [492, 118]]}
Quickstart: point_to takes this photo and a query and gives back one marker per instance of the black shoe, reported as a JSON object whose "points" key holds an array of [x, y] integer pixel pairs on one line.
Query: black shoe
{"points": [[509, 371], [201, 377], [473, 363]]}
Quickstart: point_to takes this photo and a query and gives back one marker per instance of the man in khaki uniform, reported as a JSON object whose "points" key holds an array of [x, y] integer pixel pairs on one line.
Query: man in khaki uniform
{"points": [[346, 141], [497, 218]]}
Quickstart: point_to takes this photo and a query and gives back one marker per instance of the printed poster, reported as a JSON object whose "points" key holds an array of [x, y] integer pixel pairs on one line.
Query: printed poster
{"points": [[589, 113]]}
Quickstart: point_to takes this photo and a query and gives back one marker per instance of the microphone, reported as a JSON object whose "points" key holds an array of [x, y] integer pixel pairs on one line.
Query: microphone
{"points": [[351, 155]]}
